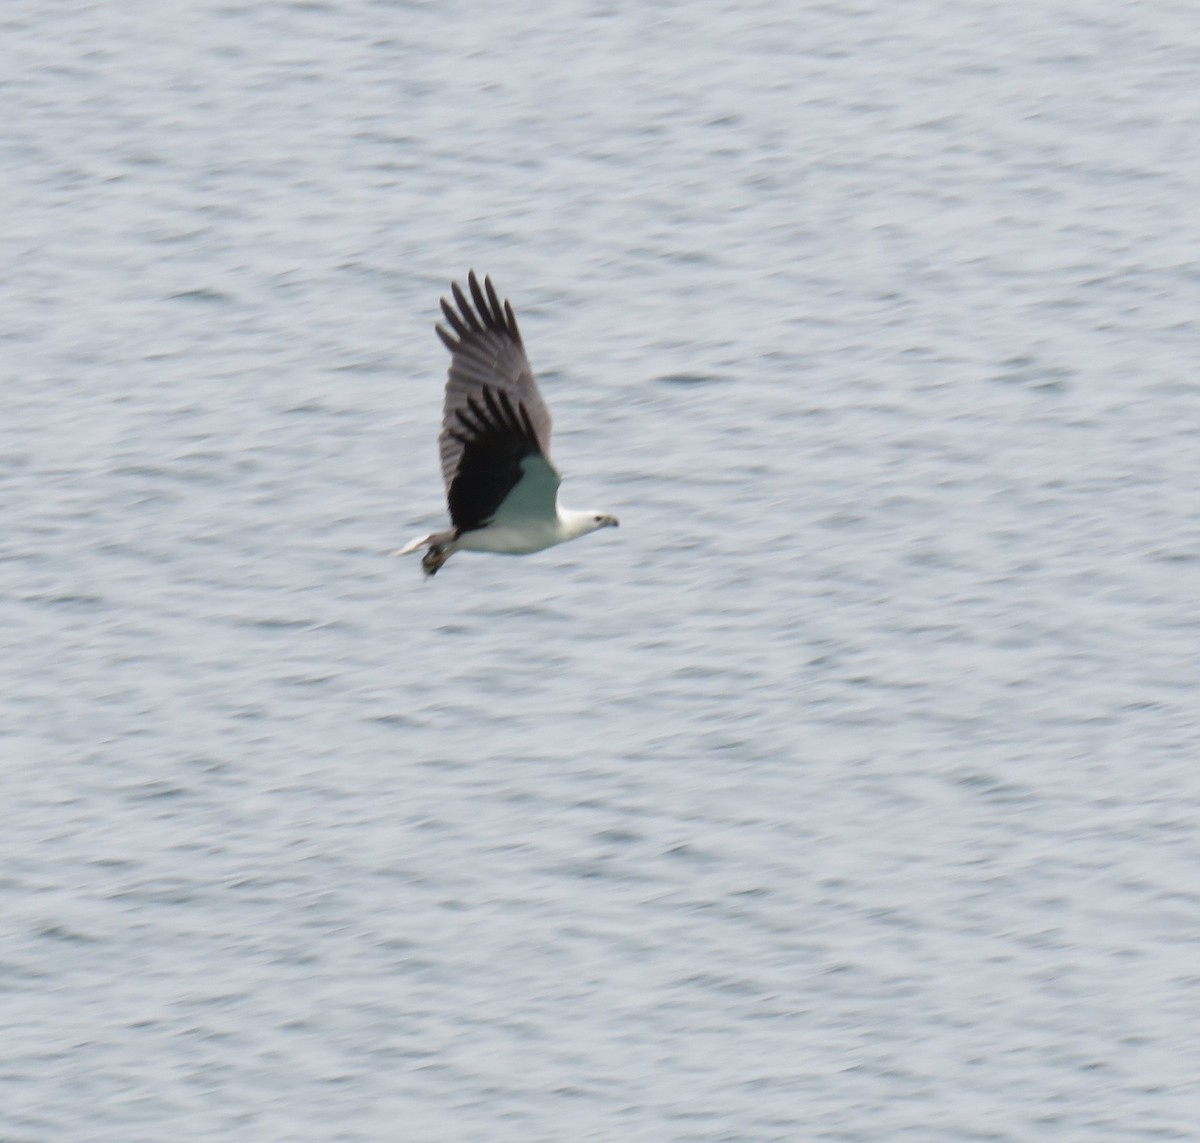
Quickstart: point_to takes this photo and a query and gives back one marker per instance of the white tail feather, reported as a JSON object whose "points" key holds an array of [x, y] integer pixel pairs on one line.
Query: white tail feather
{"points": [[413, 546]]}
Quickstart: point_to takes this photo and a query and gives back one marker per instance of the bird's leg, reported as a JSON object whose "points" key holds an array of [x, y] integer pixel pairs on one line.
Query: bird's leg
{"points": [[434, 558]]}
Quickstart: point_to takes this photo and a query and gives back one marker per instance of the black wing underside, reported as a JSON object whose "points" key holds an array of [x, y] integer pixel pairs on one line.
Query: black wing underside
{"points": [[496, 437], [494, 417]]}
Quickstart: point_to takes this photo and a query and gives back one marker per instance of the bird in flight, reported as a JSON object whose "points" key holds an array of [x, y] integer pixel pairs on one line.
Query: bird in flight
{"points": [[501, 485]]}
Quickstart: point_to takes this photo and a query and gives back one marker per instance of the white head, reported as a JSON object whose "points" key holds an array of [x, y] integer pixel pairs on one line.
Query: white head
{"points": [[581, 523]]}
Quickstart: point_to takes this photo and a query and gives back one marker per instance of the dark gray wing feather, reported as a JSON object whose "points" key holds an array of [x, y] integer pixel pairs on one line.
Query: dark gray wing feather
{"points": [[493, 416]]}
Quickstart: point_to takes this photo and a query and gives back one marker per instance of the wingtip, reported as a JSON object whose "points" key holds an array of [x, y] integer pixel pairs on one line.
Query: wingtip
{"points": [[478, 309], [511, 318]]}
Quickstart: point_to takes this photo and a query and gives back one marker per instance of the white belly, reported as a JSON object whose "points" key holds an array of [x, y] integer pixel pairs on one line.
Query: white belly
{"points": [[510, 540]]}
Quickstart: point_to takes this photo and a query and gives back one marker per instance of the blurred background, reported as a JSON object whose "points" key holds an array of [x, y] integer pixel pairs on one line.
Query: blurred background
{"points": [[848, 792]]}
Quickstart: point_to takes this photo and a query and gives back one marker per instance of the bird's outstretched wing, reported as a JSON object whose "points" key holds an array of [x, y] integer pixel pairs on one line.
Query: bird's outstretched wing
{"points": [[494, 417]]}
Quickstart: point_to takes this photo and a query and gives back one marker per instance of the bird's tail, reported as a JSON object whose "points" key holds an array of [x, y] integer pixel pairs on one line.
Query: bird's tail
{"points": [[441, 548], [413, 546]]}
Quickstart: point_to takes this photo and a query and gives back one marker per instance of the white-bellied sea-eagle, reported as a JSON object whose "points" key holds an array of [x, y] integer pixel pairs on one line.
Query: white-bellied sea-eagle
{"points": [[501, 485]]}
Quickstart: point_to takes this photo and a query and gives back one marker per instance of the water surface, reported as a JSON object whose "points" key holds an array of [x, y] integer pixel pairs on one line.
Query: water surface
{"points": [[848, 792]]}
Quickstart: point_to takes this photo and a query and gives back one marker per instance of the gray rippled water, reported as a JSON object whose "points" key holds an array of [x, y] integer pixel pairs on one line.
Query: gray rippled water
{"points": [[848, 792]]}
